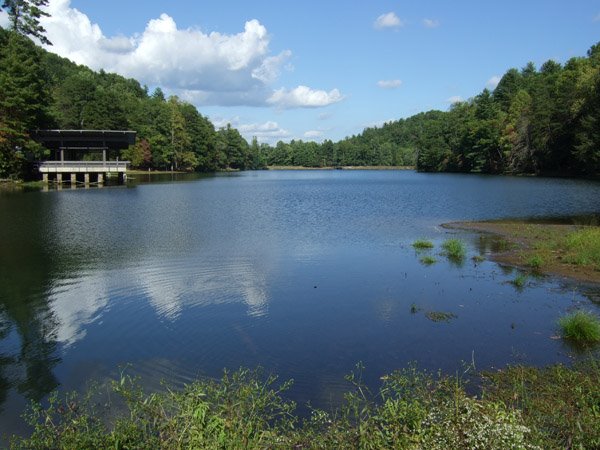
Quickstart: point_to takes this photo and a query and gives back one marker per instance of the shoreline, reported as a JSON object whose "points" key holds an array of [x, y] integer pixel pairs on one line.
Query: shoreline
{"points": [[341, 168], [533, 247]]}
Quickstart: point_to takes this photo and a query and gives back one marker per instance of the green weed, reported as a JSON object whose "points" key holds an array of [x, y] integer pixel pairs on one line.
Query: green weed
{"points": [[454, 249], [428, 260], [440, 316], [422, 244], [581, 327]]}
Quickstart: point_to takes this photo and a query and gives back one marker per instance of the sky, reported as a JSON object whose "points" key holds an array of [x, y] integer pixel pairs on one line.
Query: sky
{"points": [[316, 70]]}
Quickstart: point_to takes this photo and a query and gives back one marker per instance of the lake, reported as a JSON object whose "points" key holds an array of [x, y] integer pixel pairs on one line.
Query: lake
{"points": [[305, 273]]}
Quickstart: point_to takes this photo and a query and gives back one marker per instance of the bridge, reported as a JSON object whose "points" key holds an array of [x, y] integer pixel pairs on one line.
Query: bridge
{"points": [[84, 155]]}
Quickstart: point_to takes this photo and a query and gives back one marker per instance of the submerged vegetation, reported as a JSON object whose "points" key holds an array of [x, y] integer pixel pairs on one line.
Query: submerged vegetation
{"points": [[440, 316], [581, 327], [521, 408]]}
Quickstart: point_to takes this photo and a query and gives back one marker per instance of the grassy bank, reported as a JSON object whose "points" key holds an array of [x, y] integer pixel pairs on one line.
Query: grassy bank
{"points": [[566, 250], [520, 408]]}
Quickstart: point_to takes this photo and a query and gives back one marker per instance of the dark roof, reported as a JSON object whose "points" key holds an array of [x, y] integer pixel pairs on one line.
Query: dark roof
{"points": [[114, 139]]}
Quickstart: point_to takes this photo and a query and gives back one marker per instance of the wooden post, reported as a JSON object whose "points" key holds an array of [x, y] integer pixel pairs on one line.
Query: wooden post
{"points": [[86, 178], [73, 179], [45, 178], [100, 178], [59, 178]]}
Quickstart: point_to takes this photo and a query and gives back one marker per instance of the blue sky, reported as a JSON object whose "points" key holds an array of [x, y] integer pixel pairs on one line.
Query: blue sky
{"points": [[319, 69]]}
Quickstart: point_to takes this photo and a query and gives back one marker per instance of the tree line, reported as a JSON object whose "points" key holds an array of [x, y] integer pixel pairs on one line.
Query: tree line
{"points": [[544, 121], [40, 90]]}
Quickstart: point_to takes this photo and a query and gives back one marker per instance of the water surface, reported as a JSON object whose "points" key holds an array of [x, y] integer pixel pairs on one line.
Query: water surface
{"points": [[303, 272]]}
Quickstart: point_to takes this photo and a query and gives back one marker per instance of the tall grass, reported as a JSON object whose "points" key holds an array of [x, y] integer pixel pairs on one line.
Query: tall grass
{"points": [[581, 327], [524, 408], [583, 247]]}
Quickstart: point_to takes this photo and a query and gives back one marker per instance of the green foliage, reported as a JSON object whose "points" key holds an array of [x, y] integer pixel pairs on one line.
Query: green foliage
{"points": [[412, 409], [24, 16], [581, 327], [454, 249], [519, 281], [558, 404], [535, 261], [583, 247], [422, 244], [428, 260]]}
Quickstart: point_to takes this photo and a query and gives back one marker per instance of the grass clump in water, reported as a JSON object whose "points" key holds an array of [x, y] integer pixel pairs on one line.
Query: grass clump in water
{"points": [[428, 260], [440, 316], [422, 244], [519, 281], [581, 327], [454, 249]]}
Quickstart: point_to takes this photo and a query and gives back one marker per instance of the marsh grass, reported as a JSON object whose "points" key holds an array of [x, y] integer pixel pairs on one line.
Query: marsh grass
{"points": [[478, 259], [583, 247], [428, 260], [519, 281], [581, 327], [535, 261], [454, 249], [422, 244]]}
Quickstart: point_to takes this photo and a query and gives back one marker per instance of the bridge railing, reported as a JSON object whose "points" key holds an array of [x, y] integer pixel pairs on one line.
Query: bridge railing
{"points": [[82, 166]]}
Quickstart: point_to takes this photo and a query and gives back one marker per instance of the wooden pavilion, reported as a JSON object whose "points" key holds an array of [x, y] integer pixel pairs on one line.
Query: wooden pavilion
{"points": [[83, 154]]}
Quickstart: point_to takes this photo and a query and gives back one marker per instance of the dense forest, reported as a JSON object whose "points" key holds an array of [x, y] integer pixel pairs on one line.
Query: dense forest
{"points": [[544, 121], [40, 90]]}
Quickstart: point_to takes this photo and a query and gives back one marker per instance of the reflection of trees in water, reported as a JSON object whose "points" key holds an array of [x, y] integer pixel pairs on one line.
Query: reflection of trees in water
{"points": [[28, 347]]}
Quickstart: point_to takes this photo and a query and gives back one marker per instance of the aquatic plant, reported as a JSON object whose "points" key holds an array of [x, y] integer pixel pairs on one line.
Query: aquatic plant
{"points": [[519, 281], [454, 249], [428, 260], [422, 244], [582, 327], [440, 316], [478, 259], [414, 308]]}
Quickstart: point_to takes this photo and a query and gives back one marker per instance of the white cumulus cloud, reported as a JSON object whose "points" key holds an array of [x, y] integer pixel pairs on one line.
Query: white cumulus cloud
{"points": [[389, 84], [268, 132], [4, 19], [304, 97], [493, 82], [431, 23], [210, 68], [313, 134], [454, 99], [388, 20]]}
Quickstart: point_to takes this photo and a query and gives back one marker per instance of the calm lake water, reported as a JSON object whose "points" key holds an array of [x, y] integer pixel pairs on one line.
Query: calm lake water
{"points": [[302, 272]]}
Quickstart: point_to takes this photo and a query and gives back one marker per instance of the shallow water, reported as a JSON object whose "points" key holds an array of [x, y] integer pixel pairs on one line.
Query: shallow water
{"points": [[303, 272]]}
